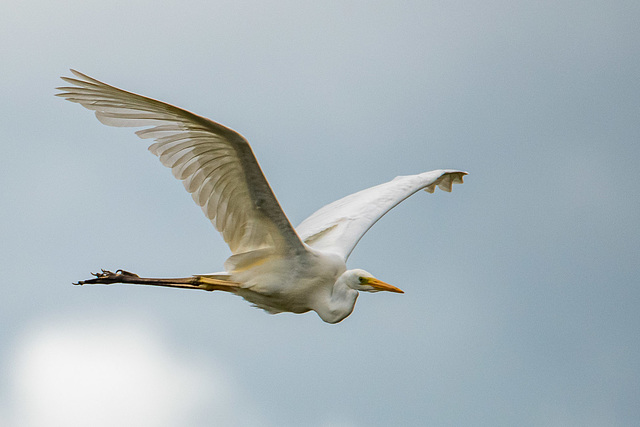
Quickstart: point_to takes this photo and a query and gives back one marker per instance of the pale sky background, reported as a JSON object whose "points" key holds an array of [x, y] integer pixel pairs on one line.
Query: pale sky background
{"points": [[522, 286]]}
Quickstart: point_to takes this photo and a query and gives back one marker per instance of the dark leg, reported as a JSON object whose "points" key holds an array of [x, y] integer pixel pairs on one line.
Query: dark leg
{"points": [[194, 282]]}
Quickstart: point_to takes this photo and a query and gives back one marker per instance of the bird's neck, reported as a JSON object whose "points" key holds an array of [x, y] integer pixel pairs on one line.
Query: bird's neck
{"points": [[340, 302]]}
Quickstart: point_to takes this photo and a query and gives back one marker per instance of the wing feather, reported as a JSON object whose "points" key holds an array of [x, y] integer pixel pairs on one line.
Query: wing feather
{"points": [[339, 226], [215, 163]]}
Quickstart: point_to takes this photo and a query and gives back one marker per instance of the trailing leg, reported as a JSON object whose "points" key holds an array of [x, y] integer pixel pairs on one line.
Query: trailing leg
{"points": [[205, 283]]}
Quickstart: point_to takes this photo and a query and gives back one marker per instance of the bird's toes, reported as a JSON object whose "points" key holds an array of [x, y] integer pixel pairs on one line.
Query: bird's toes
{"points": [[104, 277]]}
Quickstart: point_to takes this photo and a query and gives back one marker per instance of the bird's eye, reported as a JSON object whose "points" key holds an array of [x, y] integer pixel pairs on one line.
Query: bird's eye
{"points": [[361, 279]]}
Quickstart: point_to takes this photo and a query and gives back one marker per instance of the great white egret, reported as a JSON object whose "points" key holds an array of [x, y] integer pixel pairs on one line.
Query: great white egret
{"points": [[274, 266]]}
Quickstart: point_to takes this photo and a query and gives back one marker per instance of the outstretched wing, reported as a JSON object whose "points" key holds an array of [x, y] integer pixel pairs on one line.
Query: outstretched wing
{"points": [[215, 163], [339, 226]]}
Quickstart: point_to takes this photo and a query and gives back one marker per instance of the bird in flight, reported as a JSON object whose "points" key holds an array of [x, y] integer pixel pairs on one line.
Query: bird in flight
{"points": [[273, 265]]}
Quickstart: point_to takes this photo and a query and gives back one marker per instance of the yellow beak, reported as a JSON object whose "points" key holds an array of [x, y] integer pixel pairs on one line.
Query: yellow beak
{"points": [[379, 285]]}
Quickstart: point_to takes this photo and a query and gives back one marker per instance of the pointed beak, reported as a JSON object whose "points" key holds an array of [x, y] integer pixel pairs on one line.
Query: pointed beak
{"points": [[379, 285]]}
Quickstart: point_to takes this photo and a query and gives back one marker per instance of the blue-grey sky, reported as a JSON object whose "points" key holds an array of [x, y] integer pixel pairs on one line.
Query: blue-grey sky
{"points": [[522, 285]]}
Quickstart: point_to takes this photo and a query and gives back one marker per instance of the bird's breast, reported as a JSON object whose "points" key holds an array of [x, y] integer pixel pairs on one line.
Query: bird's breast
{"points": [[277, 283]]}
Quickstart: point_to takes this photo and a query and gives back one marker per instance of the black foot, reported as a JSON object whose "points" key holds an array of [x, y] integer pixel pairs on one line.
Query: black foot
{"points": [[106, 277]]}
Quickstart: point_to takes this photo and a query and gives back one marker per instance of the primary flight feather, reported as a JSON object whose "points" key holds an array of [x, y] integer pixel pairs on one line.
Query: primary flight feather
{"points": [[274, 266]]}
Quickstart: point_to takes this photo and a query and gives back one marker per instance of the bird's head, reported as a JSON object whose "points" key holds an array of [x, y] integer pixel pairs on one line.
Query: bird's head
{"points": [[364, 281], [337, 305]]}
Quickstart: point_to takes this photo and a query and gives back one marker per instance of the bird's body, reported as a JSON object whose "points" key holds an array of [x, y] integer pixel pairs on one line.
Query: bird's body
{"points": [[274, 266], [296, 284]]}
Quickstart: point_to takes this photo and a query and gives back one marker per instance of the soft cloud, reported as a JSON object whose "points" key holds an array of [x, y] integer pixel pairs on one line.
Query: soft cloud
{"points": [[107, 374]]}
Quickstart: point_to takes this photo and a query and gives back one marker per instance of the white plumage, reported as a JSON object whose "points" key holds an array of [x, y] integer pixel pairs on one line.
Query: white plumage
{"points": [[274, 266]]}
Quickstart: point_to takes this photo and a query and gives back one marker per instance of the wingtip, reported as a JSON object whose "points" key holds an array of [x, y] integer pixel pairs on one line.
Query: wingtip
{"points": [[81, 79], [77, 73], [446, 180], [74, 72]]}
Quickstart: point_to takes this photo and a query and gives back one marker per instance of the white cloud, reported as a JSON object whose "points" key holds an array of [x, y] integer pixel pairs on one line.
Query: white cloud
{"points": [[103, 373]]}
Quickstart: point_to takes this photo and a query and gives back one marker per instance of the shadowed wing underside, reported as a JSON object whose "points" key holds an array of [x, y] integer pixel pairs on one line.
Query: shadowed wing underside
{"points": [[215, 163]]}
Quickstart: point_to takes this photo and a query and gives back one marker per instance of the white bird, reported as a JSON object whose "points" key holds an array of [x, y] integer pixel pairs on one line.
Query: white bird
{"points": [[273, 266]]}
